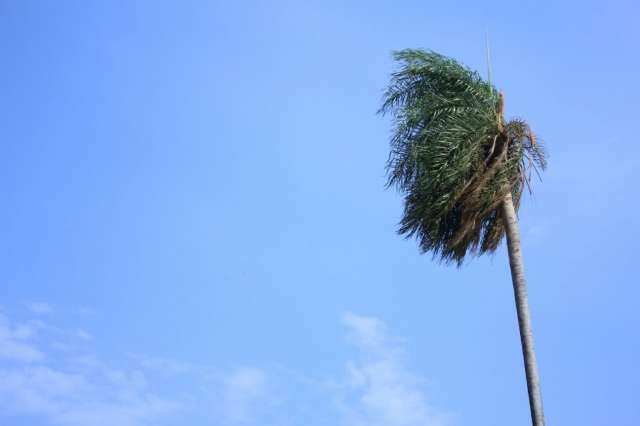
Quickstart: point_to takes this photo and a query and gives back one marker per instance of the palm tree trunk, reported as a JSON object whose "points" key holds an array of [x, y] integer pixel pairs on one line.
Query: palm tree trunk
{"points": [[522, 307]]}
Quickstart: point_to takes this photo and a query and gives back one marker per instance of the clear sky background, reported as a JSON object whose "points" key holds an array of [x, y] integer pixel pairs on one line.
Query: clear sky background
{"points": [[194, 227]]}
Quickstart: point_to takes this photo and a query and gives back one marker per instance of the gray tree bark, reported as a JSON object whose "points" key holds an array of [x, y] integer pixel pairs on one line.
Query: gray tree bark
{"points": [[522, 307]]}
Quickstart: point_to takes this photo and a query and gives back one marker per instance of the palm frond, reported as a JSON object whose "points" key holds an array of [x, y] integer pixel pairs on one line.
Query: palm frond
{"points": [[451, 155]]}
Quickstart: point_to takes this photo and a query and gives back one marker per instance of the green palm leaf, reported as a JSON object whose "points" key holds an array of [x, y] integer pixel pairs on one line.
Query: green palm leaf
{"points": [[453, 156]]}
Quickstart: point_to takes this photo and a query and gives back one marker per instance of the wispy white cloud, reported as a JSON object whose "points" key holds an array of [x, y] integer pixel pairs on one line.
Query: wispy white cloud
{"points": [[52, 373], [82, 334], [39, 308], [536, 232], [14, 342], [379, 389], [248, 393], [85, 310], [82, 398], [74, 390], [369, 335], [167, 366]]}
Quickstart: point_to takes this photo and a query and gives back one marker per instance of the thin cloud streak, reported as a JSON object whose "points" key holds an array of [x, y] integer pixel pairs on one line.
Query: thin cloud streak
{"points": [[39, 308], [379, 389], [52, 373]]}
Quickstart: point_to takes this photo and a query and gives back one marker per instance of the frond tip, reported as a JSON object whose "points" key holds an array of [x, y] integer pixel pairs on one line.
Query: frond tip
{"points": [[453, 156]]}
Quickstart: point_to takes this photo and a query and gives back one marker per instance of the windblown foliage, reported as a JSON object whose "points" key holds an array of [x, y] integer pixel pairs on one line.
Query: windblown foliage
{"points": [[453, 156]]}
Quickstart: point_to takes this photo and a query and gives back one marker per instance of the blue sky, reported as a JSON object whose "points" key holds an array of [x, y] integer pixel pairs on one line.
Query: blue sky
{"points": [[195, 228]]}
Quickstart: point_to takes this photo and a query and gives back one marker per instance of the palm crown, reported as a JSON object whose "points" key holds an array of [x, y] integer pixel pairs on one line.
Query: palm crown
{"points": [[453, 156]]}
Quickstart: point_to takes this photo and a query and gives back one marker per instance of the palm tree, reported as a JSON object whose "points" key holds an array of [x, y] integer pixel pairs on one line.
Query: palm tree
{"points": [[462, 170]]}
